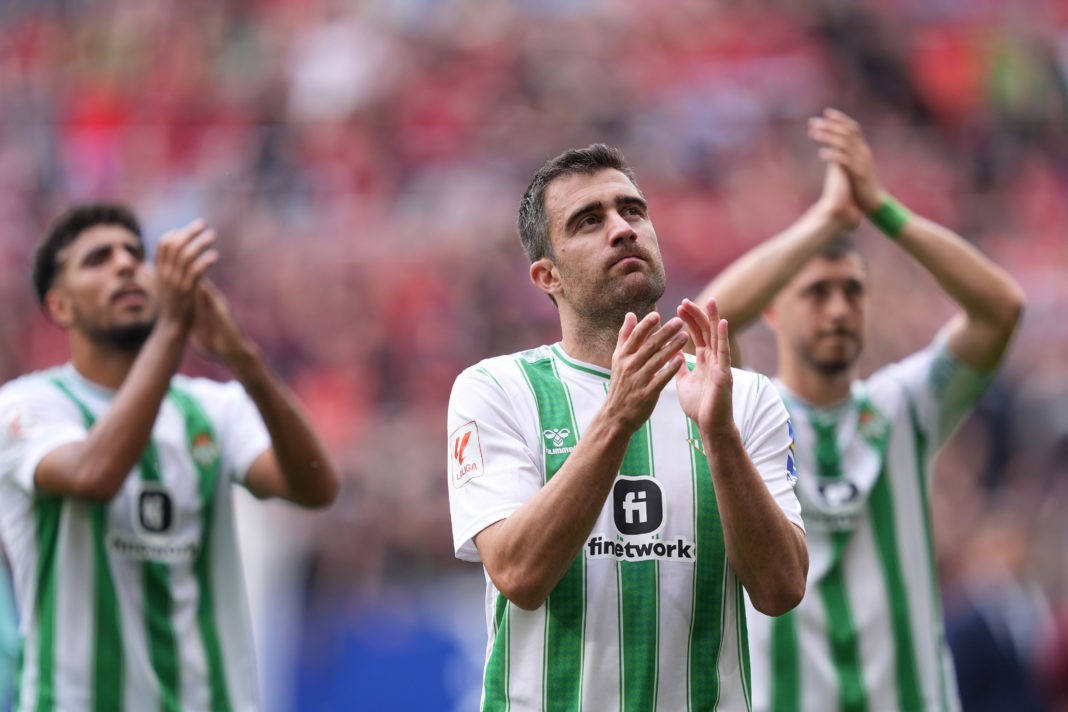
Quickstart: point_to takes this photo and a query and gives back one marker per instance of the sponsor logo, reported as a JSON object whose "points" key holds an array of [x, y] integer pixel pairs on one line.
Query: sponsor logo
{"points": [[205, 450], [466, 461], [132, 547], [154, 512], [637, 505], [838, 508], [557, 437], [677, 549]]}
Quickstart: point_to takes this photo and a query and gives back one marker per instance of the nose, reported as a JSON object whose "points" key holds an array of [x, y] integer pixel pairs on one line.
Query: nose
{"points": [[838, 304], [125, 262], [619, 230]]}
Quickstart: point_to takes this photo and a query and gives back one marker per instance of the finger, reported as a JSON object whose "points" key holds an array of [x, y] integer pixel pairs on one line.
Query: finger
{"points": [[625, 331], [724, 351], [842, 117], [836, 157], [674, 366], [196, 271], [660, 338], [713, 319], [656, 360], [640, 333], [696, 322]]}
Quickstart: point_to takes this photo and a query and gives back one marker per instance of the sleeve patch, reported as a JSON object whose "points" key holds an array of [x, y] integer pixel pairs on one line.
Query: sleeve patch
{"points": [[465, 458]]}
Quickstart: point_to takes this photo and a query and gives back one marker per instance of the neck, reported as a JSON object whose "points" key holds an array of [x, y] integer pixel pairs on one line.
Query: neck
{"points": [[816, 387], [588, 340], [104, 366]]}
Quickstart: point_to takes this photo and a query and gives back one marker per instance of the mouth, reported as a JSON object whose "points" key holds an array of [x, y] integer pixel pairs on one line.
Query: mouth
{"points": [[129, 296], [629, 261]]}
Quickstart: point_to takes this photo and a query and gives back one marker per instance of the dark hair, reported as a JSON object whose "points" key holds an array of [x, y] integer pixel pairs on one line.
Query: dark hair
{"points": [[66, 228], [839, 247], [532, 222]]}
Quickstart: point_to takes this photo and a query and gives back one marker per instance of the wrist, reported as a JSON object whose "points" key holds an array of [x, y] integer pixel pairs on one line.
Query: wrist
{"points": [[890, 216]]}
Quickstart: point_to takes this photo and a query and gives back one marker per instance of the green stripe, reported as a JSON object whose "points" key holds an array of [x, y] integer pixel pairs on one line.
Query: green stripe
{"points": [[743, 644], [108, 662], [639, 609], [159, 607], [842, 634], [841, 630], [786, 664], [48, 512], [496, 697], [565, 607], [198, 429], [710, 569], [920, 444], [884, 528]]}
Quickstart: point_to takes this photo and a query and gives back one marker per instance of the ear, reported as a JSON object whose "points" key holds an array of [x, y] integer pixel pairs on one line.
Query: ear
{"points": [[544, 275], [769, 316], [59, 308]]}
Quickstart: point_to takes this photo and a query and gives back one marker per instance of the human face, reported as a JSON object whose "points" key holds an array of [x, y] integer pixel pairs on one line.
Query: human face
{"points": [[821, 315], [103, 287], [606, 260]]}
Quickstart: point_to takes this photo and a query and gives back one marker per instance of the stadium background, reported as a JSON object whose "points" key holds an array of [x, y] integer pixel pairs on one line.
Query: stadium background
{"points": [[362, 162]]}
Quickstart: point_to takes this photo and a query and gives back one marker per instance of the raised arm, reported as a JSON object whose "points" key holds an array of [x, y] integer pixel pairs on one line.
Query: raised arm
{"points": [[528, 553], [97, 467], [749, 284], [990, 300], [297, 466], [765, 550]]}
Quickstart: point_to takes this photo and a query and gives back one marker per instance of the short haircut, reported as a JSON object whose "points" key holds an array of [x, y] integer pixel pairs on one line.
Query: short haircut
{"points": [[66, 228], [533, 222], [839, 247]]}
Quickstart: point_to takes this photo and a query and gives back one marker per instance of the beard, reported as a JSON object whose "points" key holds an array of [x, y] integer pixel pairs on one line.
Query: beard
{"points": [[831, 366], [128, 337], [606, 305]]}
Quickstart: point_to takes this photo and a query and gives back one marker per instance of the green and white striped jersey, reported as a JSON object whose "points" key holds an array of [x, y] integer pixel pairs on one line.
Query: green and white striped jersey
{"points": [[869, 633], [138, 603], [649, 616]]}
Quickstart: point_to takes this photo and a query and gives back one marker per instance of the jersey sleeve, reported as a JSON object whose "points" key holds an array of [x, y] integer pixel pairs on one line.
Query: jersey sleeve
{"points": [[492, 469], [242, 435], [940, 389], [768, 436], [35, 419]]}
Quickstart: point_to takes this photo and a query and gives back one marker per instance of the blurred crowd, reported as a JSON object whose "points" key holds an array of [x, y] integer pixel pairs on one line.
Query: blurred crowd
{"points": [[362, 161]]}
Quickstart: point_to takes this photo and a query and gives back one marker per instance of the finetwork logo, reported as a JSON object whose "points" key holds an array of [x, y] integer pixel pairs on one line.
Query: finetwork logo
{"points": [[599, 546], [557, 437]]}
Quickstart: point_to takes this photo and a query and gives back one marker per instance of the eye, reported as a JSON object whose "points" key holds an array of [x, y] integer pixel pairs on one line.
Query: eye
{"points": [[588, 221]]}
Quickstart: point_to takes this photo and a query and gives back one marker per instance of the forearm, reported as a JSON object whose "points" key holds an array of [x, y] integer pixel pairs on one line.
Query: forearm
{"points": [[306, 471], [97, 467], [765, 550], [990, 299], [528, 553], [748, 285]]}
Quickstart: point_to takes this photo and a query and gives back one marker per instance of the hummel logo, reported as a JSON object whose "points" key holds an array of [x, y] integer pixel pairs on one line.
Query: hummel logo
{"points": [[556, 435]]}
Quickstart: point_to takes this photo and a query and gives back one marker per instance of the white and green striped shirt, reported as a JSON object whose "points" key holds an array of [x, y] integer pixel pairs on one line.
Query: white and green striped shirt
{"points": [[138, 603], [868, 635], [649, 616]]}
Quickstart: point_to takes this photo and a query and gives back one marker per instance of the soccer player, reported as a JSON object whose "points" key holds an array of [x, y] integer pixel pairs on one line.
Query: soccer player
{"points": [[116, 474], [869, 633], [618, 500]]}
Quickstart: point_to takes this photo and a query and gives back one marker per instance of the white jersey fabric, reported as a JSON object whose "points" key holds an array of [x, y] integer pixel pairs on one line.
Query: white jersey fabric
{"points": [[138, 603], [869, 633], [649, 616]]}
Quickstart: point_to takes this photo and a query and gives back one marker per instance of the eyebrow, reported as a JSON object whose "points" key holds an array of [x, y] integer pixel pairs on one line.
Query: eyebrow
{"points": [[594, 205]]}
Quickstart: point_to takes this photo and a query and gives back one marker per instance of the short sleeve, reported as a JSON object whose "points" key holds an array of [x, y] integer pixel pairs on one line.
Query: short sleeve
{"points": [[35, 419], [768, 436], [492, 469], [941, 389], [241, 431]]}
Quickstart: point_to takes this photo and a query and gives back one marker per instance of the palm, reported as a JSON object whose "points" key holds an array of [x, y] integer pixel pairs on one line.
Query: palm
{"points": [[705, 391]]}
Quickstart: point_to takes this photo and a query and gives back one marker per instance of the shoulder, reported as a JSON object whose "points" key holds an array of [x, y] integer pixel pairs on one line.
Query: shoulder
{"points": [[31, 386], [506, 370]]}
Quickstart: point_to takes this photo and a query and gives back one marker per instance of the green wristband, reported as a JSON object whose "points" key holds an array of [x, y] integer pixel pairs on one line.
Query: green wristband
{"points": [[890, 217]]}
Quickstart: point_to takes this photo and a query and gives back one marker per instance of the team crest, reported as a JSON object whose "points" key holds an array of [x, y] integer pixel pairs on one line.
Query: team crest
{"points": [[205, 450]]}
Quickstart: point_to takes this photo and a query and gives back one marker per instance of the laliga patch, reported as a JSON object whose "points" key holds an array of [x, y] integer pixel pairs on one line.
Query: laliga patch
{"points": [[465, 454]]}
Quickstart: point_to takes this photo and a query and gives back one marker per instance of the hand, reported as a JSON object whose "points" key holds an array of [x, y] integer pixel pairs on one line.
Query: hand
{"points": [[843, 144], [182, 258], [644, 361], [836, 201], [215, 332], [706, 392]]}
